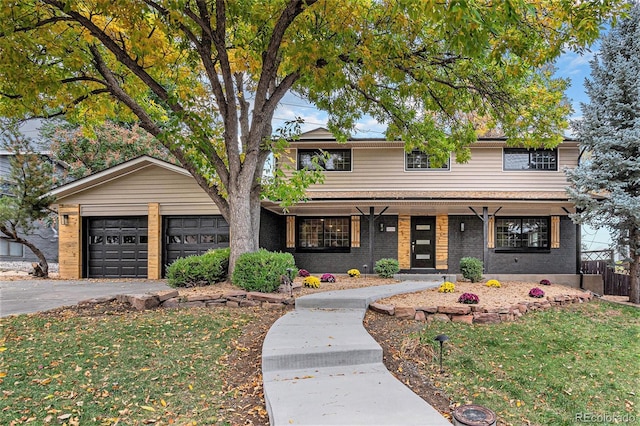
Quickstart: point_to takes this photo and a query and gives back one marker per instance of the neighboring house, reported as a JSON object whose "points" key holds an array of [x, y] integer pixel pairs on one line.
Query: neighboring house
{"points": [[506, 206], [44, 236]]}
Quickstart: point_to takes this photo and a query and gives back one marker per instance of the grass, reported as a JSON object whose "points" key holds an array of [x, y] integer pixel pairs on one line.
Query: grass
{"points": [[155, 367], [574, 365]]}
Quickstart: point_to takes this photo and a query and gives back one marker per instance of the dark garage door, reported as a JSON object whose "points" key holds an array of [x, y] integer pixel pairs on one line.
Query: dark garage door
{"points": [[117, 247], [189, 235]]}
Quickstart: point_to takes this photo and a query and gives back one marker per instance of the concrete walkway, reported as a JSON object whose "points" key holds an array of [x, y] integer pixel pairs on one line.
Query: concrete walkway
{"points": [[28, 296], [321, 367]]}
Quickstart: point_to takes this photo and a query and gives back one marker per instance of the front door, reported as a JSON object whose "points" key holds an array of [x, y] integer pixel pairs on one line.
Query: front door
{"points": [[423, 242]]}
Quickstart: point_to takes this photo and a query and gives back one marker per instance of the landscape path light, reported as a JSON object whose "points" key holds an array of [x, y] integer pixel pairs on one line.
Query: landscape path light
{"points": [[441, 338]]}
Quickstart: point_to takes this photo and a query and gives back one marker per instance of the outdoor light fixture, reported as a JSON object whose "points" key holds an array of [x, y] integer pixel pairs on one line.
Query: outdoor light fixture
{"points": [[65, 219], [461, 226], [381, 226], [441, 338], [364, 268]]}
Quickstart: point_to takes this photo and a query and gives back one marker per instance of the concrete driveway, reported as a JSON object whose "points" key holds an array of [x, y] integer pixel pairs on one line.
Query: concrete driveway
{"points": [[27, 296]]}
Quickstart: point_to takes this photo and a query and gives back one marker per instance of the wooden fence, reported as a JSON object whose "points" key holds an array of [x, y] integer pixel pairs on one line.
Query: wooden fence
{"points": [[601, 263]]}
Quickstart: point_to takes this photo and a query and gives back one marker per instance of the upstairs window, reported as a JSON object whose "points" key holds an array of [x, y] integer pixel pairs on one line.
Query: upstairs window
{"points": [[328, 233], [338, 160], [523, 233], [418, 160], [530, 159]]}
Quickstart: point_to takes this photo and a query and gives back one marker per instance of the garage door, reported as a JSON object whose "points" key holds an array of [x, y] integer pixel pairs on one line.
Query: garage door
{"points": [[117, 247], [189, 235]]}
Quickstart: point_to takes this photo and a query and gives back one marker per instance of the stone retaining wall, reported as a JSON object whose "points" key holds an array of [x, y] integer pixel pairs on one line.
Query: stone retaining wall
{"points": [[474, 314], [172, 299]]}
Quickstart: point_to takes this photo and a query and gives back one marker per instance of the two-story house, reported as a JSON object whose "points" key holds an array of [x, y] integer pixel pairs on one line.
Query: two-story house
{"points": [[506, 206]]}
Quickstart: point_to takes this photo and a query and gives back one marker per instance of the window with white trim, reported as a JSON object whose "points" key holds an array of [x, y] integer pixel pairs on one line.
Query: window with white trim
{"points": [[418, 160], [530, 159], [331, 160]]}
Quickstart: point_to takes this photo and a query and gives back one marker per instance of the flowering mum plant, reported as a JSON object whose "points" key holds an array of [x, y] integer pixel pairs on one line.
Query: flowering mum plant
{"points": [[468, 299], [493, 283], [536, 292], [545, 282], [353, 273], [311, 282], [327, 278], [446, 287], [303, 273]]}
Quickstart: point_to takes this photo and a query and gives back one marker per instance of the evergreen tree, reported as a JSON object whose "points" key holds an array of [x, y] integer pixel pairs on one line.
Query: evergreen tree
{"points": [[606, 185]]}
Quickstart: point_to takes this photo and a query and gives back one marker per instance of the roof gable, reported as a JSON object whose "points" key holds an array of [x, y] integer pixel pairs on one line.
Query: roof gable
{"points": [[113, 173]]}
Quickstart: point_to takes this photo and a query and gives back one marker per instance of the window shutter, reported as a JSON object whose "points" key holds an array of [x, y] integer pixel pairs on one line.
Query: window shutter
{"points": [[355, 231], [555, 232], [491, 233], [291, 231]]}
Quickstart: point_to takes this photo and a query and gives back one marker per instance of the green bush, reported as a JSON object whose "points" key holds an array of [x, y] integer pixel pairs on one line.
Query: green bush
{"points": [[262, 270], [387, 268], [205, 269], [471, 268]]}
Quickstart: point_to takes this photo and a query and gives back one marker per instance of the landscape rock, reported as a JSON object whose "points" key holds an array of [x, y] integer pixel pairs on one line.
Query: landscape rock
{"points": [[382, 309], [405, 312], [266, 297], [454, 310], [486, 318], [420, 316], [142, 302], [439, 317], [166, 295], [466, 319]]}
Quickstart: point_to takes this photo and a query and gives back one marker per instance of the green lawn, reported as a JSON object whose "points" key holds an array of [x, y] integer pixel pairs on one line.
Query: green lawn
{"points": [[575, 365], [155, 367]]}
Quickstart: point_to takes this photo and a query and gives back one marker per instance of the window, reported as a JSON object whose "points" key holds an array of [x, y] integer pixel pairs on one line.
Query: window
{"points": [[530, 159], [10, 248], [418, 160], [328, 159], [331, 234], [527, 233]]}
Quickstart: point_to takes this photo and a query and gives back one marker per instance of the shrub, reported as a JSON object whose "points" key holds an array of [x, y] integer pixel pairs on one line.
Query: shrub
{"points": [[205, 269], [536, 292], [468, 298], [387, 268], [471, 268], [262, 270], [311, 282], [447, 287], [353, 273], [545, 282], [303, 273], [493, 283], [327, 278]]}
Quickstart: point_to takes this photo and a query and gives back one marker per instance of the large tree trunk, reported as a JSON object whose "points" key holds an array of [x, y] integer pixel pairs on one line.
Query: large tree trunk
{"points": [[243, 236]]}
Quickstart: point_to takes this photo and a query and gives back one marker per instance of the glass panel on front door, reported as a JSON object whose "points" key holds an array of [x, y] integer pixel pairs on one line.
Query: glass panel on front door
{"points": [[422, 246]]}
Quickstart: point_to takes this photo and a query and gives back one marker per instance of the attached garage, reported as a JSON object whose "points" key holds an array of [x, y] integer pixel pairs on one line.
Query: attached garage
{"points": [[132, 220], [116, 247], [192, 235]]}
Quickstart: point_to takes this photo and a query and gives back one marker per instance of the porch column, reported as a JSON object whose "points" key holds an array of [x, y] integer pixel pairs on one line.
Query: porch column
{"points": [[442, 242], [404, 241], [70, 241], [154, 242]]}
